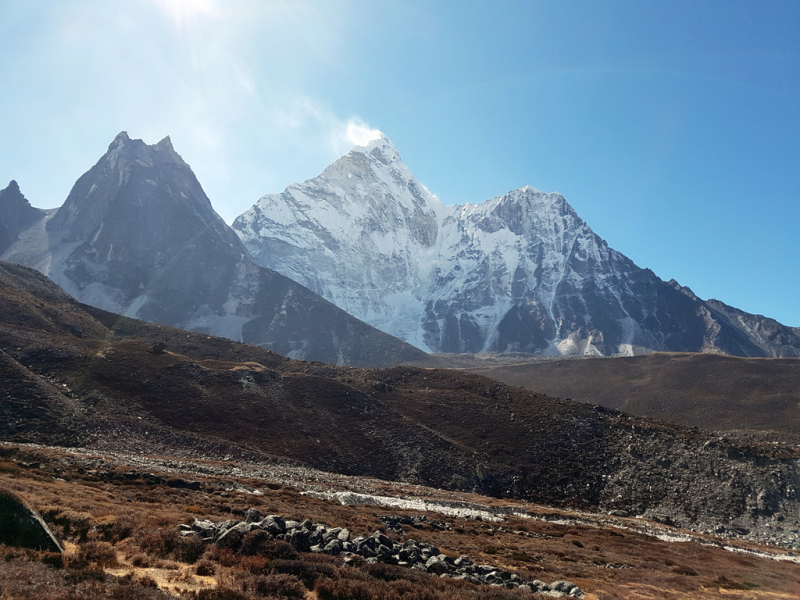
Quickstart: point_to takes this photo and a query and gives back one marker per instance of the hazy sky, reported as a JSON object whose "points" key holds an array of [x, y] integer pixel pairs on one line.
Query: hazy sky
{"points": [[673, 128]]}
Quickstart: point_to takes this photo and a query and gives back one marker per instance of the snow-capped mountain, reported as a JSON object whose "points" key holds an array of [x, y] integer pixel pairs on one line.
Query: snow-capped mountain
{"points": [[522, 272], [138, 236]]}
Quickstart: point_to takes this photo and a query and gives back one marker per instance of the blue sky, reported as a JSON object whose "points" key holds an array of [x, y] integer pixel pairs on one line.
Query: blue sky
{"points": [[672, 128]]}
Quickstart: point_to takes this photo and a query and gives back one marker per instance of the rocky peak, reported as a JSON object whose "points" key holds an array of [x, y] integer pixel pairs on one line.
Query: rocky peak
{"points": [[167, 153], [120, 140], [139, 200], [16, 214]]}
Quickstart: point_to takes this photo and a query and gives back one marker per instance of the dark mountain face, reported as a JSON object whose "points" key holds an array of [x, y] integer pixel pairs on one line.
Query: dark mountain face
{"points": [[78, 375], [138, 236], [16, 215]]}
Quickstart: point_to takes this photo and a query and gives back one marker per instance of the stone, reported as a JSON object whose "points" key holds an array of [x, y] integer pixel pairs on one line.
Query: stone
{"points": [[298, 540], [438, 565], [232, 537], [22, 526], [252, 515], [333, 547], [157, 348]]}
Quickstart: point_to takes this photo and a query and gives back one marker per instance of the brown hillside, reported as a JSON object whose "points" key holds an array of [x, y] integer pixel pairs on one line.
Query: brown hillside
{"points": [[712, 391], [98, 380]]}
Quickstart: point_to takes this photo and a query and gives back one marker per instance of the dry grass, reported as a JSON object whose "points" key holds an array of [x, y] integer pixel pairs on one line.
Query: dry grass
{"points": [[131, 550]]}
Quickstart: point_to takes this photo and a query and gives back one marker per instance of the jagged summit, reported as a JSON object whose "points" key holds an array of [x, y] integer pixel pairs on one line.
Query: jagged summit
{"points": [[126, 149], [380, 145], [16, 214]]}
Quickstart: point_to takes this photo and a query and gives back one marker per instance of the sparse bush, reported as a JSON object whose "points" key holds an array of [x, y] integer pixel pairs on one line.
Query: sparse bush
{"points": [[140, 560], [74, 525], [280, 585], [86, 574], [204, 568], [257, 543], [100, 553], [189, 549], [53, 559], [220, 593]]}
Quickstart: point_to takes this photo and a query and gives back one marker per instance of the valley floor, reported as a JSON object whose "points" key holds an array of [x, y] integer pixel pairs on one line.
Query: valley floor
{"points": [[119, 516]]}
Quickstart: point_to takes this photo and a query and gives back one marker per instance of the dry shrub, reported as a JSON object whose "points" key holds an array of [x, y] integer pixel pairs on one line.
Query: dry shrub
{"points": [[307, 571], [257, 543], [158, 542], [189, 549], [204, 568], [74, 525], [53, 559], [99, 553], [280, 585], [115, 529], [223, 556], [141, 560], [194, 509], [220, 593]]}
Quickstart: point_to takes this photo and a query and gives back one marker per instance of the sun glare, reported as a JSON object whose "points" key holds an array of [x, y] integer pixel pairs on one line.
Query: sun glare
{"points": [[179, 10]]}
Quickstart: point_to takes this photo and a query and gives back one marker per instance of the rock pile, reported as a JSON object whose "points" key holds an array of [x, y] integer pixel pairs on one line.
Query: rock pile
{"points": [[306, 536]]}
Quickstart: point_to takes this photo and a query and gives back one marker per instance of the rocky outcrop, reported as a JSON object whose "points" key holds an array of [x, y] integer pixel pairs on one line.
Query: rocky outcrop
{"points": [[306, 536], [22, 526], [16, 215]]}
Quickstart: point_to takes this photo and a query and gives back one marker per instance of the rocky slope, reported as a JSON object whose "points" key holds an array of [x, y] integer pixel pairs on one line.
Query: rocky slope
{"points": [[522, 272], [138, 236], [16, 215], [97, 380]]}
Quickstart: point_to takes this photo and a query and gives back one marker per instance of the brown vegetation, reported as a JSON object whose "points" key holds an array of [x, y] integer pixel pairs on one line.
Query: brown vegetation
{"points": [[713, 391], [102, 527]]}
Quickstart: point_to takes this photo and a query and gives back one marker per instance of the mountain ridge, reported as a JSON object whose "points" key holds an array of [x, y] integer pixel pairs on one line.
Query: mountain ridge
{"points": [[520, 272], [138, 236]]}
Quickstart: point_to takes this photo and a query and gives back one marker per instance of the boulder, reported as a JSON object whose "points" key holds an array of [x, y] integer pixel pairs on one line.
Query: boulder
{"points": [[22, 526], [252, 515]]}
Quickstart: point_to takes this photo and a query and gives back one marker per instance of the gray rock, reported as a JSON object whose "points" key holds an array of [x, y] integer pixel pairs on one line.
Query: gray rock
{"points": [[299, 540], [439, 564], [232, 537], [22, 526], [252, 515]]}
